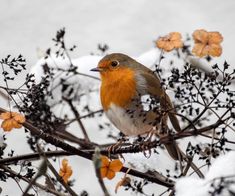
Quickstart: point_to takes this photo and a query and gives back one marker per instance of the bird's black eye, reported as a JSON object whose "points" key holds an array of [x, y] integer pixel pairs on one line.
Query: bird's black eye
{"points": [[114, 63]]}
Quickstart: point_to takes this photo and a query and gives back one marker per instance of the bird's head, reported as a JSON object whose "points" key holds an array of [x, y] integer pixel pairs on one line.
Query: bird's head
{"points": [[113, 64]]}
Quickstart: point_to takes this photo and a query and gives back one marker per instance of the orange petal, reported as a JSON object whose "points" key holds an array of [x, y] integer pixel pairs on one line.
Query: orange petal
{"points": [[201, 36], [160, 43], [15, 124], [64, 163], [206, 50], [61, 172], [65, 171], [67, 174], [19, 118], [65, 178], [110, 175], [7, 125], [105, 161], [198, 49], [168, 46], [215, 38], [177, 43], [215, 50], [69, 171], [103, 172], [175, 36], [5, 115], [116, 165], [13, 114]]}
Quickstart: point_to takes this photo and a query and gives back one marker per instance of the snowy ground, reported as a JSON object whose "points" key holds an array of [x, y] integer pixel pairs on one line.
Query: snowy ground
{"points": [[127, 26]]}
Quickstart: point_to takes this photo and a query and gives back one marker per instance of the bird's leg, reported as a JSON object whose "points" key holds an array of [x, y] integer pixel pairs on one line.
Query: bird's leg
{"points": [[145, 144], [150, 135], [116, 146]]}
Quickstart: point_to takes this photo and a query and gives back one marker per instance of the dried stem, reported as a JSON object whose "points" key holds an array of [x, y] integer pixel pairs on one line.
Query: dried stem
{"points": [[77, 115], [13, 174], [33, 156], [60, 179], [127, 149]]}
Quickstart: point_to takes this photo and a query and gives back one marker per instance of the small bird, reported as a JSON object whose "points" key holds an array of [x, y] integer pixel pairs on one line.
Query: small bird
{"points": [[125, 84]]}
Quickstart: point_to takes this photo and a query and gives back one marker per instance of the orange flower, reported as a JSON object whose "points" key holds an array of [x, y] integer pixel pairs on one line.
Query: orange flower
{"points": [[207, 43], [11, 120], [108, 168], [65, 171], [170, 42]]}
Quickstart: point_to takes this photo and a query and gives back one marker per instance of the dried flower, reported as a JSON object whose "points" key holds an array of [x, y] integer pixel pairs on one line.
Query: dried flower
{"points": [[11, 120], [170, 42], [65, 171], [125, 181], [207, 43], [109, 168]]}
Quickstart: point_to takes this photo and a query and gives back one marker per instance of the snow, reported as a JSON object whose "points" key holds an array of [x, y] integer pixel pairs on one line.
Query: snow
{"points": [[159, 161], [222, 167]]}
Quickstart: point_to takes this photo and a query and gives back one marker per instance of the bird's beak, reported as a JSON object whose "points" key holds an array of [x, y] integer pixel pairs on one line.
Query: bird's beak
{"points": [[97, 69]]}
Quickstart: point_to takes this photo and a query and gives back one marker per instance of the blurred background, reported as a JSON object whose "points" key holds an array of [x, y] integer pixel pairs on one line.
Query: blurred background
{"points": [[127, 26]]}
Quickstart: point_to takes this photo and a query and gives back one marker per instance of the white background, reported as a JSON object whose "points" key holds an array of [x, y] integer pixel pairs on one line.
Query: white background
{"points": [[128, 26]]}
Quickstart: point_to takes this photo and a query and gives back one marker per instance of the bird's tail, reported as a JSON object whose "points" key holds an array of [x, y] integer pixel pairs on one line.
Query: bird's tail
{"points": [[168, 106], [172, 149]]}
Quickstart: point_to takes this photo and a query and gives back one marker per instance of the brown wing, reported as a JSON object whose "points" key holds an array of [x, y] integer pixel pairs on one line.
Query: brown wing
{"points": [[155, 89]]}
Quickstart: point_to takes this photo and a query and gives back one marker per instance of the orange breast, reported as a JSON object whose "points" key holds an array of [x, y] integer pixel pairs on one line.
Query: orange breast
{"points": [[118, 87]]}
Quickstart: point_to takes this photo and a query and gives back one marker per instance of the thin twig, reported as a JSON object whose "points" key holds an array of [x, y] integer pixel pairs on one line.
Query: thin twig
{"points": [[13, 174], [85, 116], [97, 164], [187, 166], [41, 171], [227, 141], [192, 165], [77, 115], [60, 179], [53, 170], [72, 138], [4, 96]]}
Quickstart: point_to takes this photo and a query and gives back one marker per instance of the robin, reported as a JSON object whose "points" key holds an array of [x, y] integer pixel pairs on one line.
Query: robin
{"points": [[124, 84]]}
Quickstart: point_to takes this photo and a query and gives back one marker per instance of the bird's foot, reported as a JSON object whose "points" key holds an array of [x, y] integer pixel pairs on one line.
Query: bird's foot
{"points": [[145, 145], [146, 150], [115, 147]]}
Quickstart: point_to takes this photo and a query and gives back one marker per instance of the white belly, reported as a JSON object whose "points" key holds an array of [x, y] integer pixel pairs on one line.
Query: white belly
{"points": [[123, 121]]}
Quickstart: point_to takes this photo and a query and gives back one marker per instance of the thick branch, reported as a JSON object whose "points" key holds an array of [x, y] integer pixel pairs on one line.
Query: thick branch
{"points": [[33, 156], [130, 149], [52, 140]]}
